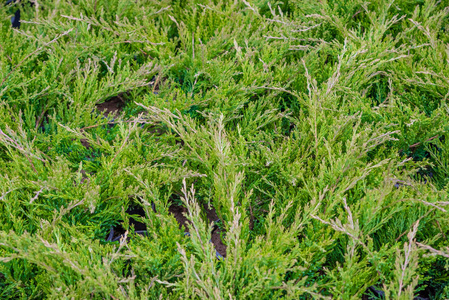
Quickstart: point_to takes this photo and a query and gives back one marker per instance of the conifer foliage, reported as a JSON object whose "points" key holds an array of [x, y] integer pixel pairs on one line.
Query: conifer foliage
{"points": [[213, 149]]}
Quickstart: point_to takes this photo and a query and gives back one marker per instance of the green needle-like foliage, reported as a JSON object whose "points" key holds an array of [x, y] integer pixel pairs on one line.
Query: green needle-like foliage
{"points": [[316, 131]]}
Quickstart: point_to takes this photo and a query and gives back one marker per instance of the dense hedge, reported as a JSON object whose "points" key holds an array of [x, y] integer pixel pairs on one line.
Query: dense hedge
{"points": [[315, 130]]}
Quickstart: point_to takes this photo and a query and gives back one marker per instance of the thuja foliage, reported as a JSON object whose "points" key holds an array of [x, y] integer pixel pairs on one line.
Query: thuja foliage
{"points": [[317, 130]]}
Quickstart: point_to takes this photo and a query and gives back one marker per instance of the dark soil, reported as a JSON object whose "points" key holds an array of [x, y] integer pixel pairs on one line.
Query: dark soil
{"points": [[216, 238], [113, 105], [84, 177], [85, 143], [179, 211]]}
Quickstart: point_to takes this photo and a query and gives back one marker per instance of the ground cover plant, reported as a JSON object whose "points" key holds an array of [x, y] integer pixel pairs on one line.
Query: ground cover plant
{"points": [[224, 149]]}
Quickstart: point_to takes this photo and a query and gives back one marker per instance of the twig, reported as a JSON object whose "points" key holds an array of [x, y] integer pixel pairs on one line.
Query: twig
{"points": [[156, 83], [251, 219], [121, 98], [435, 251], [6, 53], [402, 234], [41, 116], [97, 125], [37, 195], [439, 227], [6, 193], [359, 11], [115, 122], [419, 143], [411, 235]]}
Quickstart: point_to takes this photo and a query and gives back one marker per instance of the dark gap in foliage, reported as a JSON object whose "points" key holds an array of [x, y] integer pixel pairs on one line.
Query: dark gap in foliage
{"points": [[424, 99], [436, 280], [373, 293], [376, 293], [217, 230], [378, 90], [418, 152], [43, 123], [179, 212], [113, 105], [84, 177], [134, 211], [15, 20]]}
